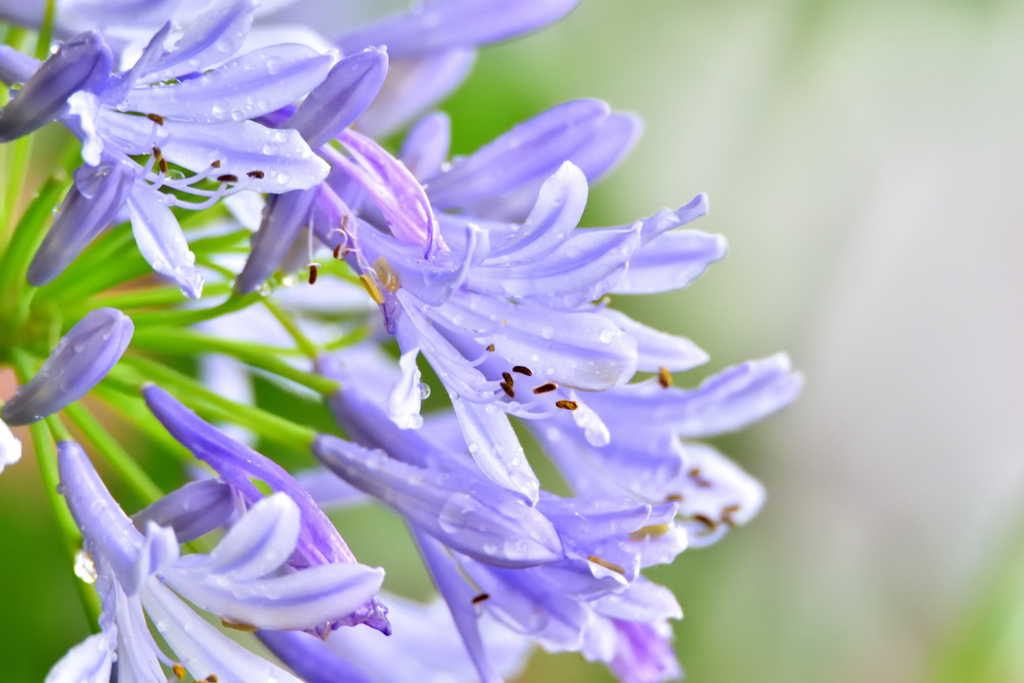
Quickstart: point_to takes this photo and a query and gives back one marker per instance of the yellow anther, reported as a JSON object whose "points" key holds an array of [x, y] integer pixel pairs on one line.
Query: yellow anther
{"points": [[179, 671], [248, 628], [386, 274], [606, 564], [371, 288], [652, 531], [664, 377]]}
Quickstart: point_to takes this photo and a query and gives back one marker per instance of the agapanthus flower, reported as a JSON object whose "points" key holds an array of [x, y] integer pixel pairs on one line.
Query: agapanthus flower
{"points": [[80, 360], [242, 581], [169, 109]]}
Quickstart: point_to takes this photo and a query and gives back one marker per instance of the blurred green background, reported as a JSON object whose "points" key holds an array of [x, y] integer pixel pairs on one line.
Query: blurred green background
{"points": [[865, 160]]}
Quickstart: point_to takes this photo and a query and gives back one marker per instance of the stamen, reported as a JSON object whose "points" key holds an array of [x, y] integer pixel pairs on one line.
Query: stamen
{"points": [[179, 671], [228, 178], [507, 388], [386, 274], [156, 118], [212, 678], [247, 628], [508, 379], [312, 272], [652, 531], [545, 388], [490, 347], [522, 370], [371, 288], [162, 163], [728, 512], [674, 498], [697, 479], [480, 598], [606, 564], [706, 521], [664, 377], [568, 405], [215, 163], [255, 174], [325, 631]]}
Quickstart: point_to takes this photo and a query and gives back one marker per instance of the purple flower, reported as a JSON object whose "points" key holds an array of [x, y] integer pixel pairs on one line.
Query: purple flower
{"points": [[244, 581], [80, 360], [198, 121], [318, 544]]}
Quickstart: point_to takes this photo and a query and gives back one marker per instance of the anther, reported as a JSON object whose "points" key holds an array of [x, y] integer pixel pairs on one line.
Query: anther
{"points": [[508, 389], [490, 347], [706, 521], [697, 479], [545, 388], [255, 174], [664, 377], [156, 118], [247, 628], [728, 512], [480, 598], [179, 671], [212, 678], [386, 274], [568, 405], [162, 163], [157, 153], [337, 252], [371, 288], [674, 498], [508, 379], [606, 564], [215, 163], [228, 178], [652, 531], [522, 370], [313, 272]]}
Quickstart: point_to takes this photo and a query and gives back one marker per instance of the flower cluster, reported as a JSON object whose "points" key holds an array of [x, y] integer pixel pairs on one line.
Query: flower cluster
{"points": [[476, 266]]}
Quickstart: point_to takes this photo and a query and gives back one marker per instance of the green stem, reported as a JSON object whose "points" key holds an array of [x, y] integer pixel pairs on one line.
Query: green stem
{"points": [[354, 337], [28, 235], [15, 181], [286, 320], [133, 409], [191, 317], [193, 394], [113, 453], [46, 31], [154, 296], [257, 355]]}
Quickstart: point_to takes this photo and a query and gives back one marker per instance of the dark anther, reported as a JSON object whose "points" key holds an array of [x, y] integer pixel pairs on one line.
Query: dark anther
{"points": [[568, 405], [490, 347], [337, 251], [212, 678], [674, 498], [545, 388], [216, 163], [228, 178], [522, 370], [162, 163], [728, 512], [480, 598], [508, 389], [705, 520], [156, 118], [312, 273], [255, 174], [157, 153], [508, 379], [664, 377]]}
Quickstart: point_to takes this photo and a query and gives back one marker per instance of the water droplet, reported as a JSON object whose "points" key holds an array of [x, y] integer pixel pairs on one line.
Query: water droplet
{"points": [[273, 65], [84, 567], [606, 336], [237, 114], [474, 447], [424, 391]]}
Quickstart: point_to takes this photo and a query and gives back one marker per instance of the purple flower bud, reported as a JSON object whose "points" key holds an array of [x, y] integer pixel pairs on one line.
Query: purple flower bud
{"points": [[90, 205], [283, 217], [350, 86], [82, 63], [194, 510], [83, 357]]}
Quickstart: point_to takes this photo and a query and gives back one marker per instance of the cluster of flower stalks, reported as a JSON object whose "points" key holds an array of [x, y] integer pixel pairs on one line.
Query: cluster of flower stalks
{"points": [[225, 210]]}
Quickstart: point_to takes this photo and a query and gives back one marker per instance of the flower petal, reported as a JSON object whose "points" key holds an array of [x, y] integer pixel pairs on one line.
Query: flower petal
{"points": [[259, 542], [88, 662], [534, 149], [656, 349], [414, 85], [285, 214], [496, 448], [215, 35], [670, 262], [194, 510], [449, 23], [82, 215], [310, 658], [425, 148], [348, 89], [16, 67], [81, 359], [249, 86], [161, 241], [10, 447]]}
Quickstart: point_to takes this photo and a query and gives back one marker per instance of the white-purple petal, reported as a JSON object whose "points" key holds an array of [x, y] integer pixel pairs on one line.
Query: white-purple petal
{"points": [[671, 261], [496, 448], [194, 510], [283, 217], [160, 239], [425, 148], [214, 36], [10, 447], [656, 349], [244, 88]]}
